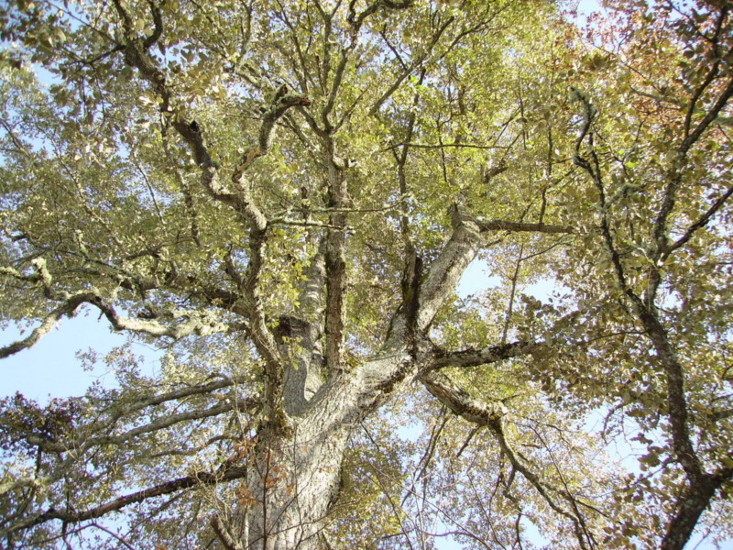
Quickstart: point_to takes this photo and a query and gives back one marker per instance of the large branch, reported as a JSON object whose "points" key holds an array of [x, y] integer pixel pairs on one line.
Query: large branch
{"points": [[461, 403], [337, 191], [183, 323], [476, 357], [136, 54], [503, 225], [459, 252], [47, 324], [305, 358], [241, 199], [193, 323], [446, 270], [199, 478], [335, 260], [69, 304], [691, 504], [645, 310]]}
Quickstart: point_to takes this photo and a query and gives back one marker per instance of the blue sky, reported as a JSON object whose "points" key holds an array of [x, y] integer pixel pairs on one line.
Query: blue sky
{"points": [[51, 368]]}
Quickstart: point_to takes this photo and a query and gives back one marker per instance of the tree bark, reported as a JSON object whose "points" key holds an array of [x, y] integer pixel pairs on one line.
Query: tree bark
{"points": [[293, 485], [693, 503], [294, 477]]}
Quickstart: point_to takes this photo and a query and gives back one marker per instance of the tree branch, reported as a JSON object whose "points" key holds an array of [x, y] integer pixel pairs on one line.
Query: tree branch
{"points": [[700, 223], [646, 312], [414, 65], [691, 505], [47, 324], [194, 321], [335, 261], [474, 358], [224, 535], [200, 478], [165, 421], [241, 200], [459, 252], [356, 21], [446, 270], [502, 225], [492, 415], [675, 173]]}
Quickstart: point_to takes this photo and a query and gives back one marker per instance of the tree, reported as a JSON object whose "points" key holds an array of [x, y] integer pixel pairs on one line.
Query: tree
{"points": [[284, 194]]}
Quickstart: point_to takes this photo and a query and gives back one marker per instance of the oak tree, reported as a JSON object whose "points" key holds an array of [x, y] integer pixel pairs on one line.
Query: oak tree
{"points": [[283, 195]]}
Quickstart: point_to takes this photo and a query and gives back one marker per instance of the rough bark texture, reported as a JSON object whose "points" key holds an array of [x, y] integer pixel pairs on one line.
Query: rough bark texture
{"points": [[683, 524], [294, 482]]}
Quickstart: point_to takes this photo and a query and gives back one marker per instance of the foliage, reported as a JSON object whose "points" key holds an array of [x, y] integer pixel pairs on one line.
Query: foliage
{"points": [[283, 195]]}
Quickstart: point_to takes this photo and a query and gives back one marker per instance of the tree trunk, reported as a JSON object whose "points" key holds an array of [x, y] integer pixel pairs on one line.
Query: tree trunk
{"points": [[295, 481], [295, 476], [693, 504]]}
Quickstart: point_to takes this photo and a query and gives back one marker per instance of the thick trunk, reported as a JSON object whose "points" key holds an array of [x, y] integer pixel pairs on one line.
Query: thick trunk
{"points": [[295, 472], [293, 484], [295, 477]]}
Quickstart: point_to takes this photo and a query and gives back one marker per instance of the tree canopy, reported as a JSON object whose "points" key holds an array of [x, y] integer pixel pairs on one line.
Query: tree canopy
{"points": [[283, 195]]}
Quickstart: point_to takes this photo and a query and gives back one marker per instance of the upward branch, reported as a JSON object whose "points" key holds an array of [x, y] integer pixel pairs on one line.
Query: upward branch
{"points": [[335, 261], [446, 270], [646, 311], [460, 250], [240, 199]]}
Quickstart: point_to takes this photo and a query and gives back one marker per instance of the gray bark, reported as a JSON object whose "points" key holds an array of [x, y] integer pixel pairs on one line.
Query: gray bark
{"points": [[295, 481]]}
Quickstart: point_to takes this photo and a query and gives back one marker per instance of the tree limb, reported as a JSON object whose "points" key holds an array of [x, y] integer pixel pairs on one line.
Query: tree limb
{"points": [[241, 200], [164, 421], [446, 270], [701, 222], [165, 488], [224, 535], [502, 225], [473, 357], [47, 324]]}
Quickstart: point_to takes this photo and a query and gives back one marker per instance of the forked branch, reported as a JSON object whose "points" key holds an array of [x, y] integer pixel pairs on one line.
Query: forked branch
{"points": [[493, 416]]}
